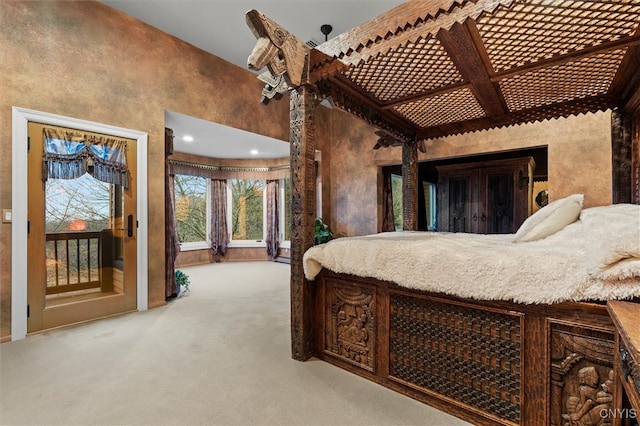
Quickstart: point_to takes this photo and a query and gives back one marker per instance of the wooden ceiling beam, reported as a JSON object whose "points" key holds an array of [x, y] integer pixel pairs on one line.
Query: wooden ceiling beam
{"points": [[465, 54], [632, 104], [626, 83]]}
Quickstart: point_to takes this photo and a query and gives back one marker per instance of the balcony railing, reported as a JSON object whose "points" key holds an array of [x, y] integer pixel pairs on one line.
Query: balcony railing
{"points": [[74, 261]]}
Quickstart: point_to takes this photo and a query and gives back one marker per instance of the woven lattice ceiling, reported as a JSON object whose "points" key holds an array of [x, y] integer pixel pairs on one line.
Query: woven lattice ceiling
{"points": [[431, 68]]}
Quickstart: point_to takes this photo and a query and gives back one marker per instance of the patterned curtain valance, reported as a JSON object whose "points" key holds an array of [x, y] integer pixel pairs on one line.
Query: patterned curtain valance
{"points": [[229, 172], [69, 154]]}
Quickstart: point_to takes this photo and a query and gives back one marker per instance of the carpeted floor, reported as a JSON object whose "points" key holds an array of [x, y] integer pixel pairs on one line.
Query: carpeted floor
{"points": [[218, 356]]}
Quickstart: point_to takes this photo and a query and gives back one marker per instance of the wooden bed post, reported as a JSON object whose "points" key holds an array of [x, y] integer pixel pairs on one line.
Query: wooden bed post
{"points": [[286, 57], [303, 213], [621, 157], [410, 186], [635, 160]]}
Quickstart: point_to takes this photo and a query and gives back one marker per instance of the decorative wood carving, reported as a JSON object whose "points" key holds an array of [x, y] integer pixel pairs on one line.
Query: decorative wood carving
{"points": [[303, 101], [410, 186], [621, 157], [274, 87], [630, 368], [351, 324], [281, 52], [286, 58], [624, 315], [385, 140], [635, 157], [582, 377], [487, 362]]}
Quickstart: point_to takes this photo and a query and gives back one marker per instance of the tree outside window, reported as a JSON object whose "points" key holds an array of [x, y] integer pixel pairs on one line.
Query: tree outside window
{"points": [[81, 205], [191, 208], [247, 209]]}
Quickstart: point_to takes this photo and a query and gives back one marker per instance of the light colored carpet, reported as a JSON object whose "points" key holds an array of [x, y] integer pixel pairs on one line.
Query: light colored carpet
{"points": [[219, 356]]}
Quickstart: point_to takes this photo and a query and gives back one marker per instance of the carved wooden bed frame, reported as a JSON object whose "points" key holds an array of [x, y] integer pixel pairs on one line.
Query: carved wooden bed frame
{"points": [[486, 362]]}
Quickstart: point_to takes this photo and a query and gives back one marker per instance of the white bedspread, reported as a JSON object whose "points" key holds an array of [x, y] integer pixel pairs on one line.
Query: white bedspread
{"points": [[595, 258]]}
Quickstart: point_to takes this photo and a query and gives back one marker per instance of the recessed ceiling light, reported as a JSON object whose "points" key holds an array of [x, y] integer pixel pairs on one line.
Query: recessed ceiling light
{"points": [[187, 138], [254, 152]]}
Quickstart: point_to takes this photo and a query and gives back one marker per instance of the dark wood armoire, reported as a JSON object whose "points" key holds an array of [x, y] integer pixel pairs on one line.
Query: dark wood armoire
{"points": [[490, 197]]}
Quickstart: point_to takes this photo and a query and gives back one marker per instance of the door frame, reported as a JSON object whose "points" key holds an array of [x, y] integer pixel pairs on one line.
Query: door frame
{"points": [[19, 266]]}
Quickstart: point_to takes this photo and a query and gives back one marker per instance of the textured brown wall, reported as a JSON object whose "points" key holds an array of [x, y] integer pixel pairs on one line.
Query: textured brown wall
{"points": [[353, 169], [85, 60], [579, 150]]}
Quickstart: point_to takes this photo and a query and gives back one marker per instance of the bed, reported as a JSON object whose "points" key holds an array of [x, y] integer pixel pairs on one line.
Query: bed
{"points": [[521, 334], [496, 329]]}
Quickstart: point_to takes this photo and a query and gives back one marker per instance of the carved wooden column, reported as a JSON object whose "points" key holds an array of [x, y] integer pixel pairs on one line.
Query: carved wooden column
{"points": [[621, 151], [410, 186], [635, 158], [303, 212]]}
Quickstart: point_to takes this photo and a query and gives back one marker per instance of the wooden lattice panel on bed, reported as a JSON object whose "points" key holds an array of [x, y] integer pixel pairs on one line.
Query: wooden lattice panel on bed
{"points": [[480, 348]]}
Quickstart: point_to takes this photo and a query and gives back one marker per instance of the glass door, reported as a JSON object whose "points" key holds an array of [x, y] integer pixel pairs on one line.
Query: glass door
{"points": [[82, 229]]}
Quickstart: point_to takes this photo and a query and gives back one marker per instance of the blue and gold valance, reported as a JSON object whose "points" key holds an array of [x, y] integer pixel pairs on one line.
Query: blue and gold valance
{"points": [[69, 154]]}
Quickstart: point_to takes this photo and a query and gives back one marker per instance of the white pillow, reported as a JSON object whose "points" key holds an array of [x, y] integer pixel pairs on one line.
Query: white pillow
{"points": [[550, 219]]}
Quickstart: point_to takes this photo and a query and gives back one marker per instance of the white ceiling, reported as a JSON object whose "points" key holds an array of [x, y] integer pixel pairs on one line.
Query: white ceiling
{"points": [[217, 141], [219, 27]]}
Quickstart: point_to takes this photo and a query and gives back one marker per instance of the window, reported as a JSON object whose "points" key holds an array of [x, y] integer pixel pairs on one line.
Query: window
{"points": [[247, 209], [396, 196], [430, 198], [192, 211]]}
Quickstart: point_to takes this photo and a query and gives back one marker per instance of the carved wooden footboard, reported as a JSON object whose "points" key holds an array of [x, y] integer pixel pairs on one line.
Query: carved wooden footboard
{"points": [[486, 362]]}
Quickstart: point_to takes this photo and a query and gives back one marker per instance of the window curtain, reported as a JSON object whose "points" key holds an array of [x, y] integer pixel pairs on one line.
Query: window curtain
{"points": [[70, 154], [172, 243], [272, 219], [219, 232], [388, 222]]}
